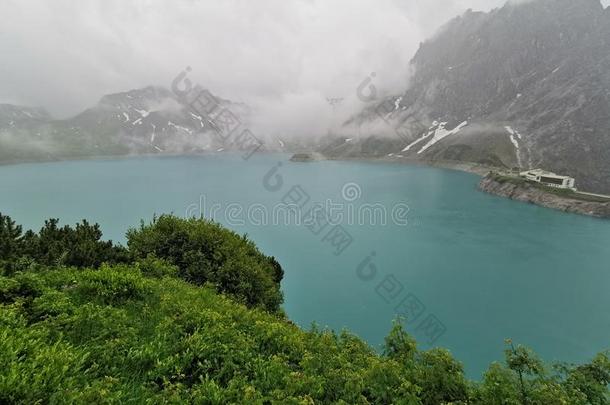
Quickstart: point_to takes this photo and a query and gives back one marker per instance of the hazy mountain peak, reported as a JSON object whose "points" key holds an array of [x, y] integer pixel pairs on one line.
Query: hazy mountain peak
{"points": [[16, 112], [146, 94]]}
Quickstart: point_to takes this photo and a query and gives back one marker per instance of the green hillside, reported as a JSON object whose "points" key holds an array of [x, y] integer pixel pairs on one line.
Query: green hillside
{"points": [[190, 312]]}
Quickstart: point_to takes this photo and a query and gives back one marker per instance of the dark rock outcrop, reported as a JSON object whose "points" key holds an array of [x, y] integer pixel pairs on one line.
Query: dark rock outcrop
{"points": [[306, 157]]}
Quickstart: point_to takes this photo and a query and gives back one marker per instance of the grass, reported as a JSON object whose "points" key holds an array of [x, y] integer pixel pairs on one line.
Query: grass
{"points": [[115, 336]]}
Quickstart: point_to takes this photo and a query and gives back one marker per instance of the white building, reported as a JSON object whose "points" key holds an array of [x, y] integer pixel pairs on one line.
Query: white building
{"points": [[549, 179]]}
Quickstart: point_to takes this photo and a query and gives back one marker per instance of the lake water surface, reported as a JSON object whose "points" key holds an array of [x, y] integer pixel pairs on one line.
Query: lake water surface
{"points": [[468, 269]]}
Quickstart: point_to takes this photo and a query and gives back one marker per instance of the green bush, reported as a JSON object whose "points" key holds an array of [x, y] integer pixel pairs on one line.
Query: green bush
{"points": [[80, 246], [116, 335], [205, 252], [199, 251]]}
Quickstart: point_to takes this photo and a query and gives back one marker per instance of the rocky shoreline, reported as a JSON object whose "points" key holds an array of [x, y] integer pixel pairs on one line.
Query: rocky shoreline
{"points": [[530, 193]]}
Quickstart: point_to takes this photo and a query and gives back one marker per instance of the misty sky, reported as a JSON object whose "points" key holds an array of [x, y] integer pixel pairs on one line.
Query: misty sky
{"points": [[288, 55]]}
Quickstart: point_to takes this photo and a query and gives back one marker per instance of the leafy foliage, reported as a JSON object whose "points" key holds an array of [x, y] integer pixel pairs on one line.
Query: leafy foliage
{"points": [[199, 251], [145, 332], [205, 252], [80, 246]]}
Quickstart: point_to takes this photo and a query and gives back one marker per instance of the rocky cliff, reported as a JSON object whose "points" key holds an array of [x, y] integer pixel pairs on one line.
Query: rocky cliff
{"points": [[534, 194], [524, 85]]}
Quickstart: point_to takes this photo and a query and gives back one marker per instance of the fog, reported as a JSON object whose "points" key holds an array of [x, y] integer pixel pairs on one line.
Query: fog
{"points": [[284, 58]]}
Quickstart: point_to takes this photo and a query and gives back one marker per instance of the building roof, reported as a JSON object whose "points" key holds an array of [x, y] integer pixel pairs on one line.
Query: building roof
{"points": [[540, 172]]}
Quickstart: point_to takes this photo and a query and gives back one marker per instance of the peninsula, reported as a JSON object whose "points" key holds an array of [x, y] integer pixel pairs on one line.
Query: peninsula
{"points": [[566, 198]]}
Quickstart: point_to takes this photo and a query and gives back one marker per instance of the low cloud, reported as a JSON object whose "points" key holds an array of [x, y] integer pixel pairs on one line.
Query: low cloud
{"points": [[284, 58]]}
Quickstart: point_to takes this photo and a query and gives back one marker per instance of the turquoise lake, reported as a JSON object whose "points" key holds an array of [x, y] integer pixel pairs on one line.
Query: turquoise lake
{"points": [[467, 269]]}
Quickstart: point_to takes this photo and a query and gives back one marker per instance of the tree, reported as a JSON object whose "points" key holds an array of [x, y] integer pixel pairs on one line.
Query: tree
{"points": [[54, 245], [80, 246], [591, 379], [499, 387], [522, 361], [441, 378], [11, 243], [399, 345]]}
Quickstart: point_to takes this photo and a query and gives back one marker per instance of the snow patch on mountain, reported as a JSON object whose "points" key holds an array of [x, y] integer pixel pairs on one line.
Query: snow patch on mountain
{"points": [[397, 103], [143, 113], [440, 134], [415, 142], [514, 135], [152, 136], [179, 127]]}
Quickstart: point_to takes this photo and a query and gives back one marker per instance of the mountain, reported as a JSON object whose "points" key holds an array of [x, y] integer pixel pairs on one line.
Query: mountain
{"points": [[148, 120], [12, 116], [524, 85], [20, 137]]}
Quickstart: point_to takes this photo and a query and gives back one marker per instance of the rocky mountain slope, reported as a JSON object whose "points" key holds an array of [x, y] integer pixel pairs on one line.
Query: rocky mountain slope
{"points": [[524, 85], [148, 120]]}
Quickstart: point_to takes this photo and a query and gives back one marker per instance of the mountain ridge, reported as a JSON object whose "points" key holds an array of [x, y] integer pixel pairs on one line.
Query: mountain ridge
{"points": [[530, 80], [524, 85], [139, 121]]}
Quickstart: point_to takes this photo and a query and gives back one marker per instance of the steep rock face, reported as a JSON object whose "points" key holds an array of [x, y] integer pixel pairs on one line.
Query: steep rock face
{"points": [[531, 81], [526, 192]]}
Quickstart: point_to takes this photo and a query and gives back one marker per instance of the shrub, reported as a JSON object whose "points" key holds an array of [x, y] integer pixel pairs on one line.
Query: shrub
{"points": [[158, 268], [205, 252], [117, 335], [80, 246], [137, 333]]}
